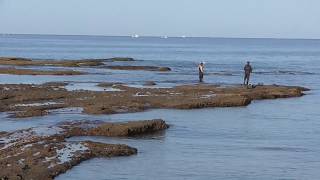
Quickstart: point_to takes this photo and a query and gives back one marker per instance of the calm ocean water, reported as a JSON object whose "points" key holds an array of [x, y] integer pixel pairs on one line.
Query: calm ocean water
{"points": [[273, 139]]}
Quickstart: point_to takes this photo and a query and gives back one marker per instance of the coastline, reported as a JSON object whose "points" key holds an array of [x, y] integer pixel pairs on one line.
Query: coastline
{"points": [[31, 152], [43, 152]]}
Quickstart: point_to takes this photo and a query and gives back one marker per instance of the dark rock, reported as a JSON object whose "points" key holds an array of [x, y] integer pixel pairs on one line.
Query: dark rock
{"points": [[150, 83], [139, 68], [43, 153], [35, 100], [115, 59]]}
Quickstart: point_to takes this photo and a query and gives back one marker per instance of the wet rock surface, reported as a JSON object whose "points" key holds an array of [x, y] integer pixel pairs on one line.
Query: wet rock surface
{"points": [[37, 100], [17, 61], [43, 152], [139, 68], [102, 63], [108, 84], [63, 63], [150, 83], [120, 59], [38, 72]]}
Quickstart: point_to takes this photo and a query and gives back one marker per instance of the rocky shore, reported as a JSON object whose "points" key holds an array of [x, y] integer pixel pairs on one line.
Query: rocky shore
{"points": [[103, 63], [43, 152], [38, 72], [37, 100], [139, 68], [14, 61]]}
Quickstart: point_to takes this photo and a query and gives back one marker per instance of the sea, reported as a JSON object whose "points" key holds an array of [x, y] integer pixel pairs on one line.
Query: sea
{"points": [[267, 140]]}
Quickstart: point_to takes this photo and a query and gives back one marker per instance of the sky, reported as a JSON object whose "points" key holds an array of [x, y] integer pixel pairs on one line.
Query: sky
{"points": [[199, 18]]}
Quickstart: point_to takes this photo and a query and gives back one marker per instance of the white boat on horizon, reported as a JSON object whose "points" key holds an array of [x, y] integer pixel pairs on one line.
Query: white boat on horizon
{"points": [[135, 36]]}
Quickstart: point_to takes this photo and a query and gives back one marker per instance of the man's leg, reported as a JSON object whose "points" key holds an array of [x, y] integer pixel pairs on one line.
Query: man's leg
{"points": [[245, 81], [201, 77], [248, 78]]}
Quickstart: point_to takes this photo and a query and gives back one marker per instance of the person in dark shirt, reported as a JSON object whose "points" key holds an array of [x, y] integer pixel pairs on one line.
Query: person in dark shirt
{"points": [[201, 71], [247, 71]]}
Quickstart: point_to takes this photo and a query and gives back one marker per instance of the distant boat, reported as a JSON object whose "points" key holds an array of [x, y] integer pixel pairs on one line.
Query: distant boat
{"points": [[183, 36], [164, 37], [135, 36]]}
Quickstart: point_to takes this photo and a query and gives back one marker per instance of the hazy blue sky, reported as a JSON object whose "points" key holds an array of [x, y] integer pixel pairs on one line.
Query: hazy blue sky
{"points": [[216, 18]]}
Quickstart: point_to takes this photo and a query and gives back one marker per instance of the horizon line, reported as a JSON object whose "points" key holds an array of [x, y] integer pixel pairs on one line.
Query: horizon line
{"points": [[153, 36]]}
